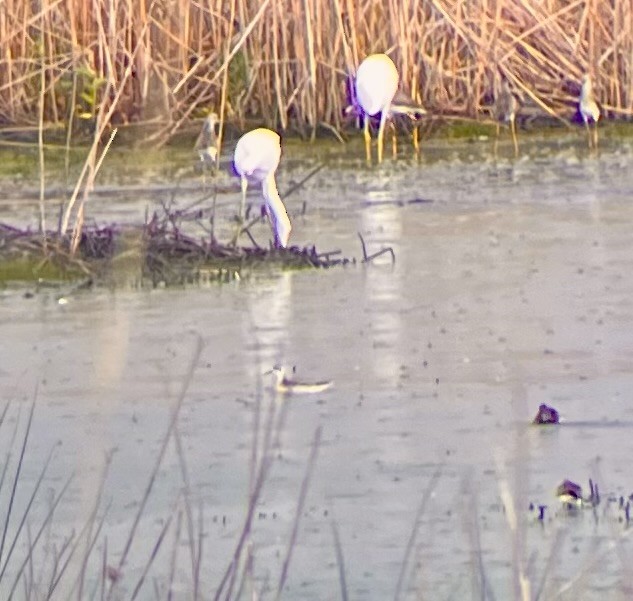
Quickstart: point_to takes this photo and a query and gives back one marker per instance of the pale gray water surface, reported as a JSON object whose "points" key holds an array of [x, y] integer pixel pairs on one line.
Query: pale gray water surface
{"points": [[512, 287]]}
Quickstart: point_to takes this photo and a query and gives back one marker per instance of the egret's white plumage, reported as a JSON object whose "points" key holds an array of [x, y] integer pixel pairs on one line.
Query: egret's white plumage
{"points": [[589, 110], [376, 85], [377, 92], [256, 157]]}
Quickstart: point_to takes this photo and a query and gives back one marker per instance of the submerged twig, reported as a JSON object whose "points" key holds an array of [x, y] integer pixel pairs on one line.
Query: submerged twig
{"points": [[301, 182], [368, 258], [428, 491], [316, 442], [159, 459], [152, 557], [16, 478], [26, 512], [339, 561], [260, 475], [46, 521]]}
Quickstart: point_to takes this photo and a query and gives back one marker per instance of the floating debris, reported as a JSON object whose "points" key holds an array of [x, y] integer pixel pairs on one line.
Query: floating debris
{"points": [[546, 415], [594, 493]]}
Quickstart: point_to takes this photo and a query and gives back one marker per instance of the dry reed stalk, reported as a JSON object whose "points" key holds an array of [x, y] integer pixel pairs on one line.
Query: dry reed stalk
{"points": [[34, 541], [92, 168], [340, 561], [225, 84], [152, 557], [426, 496], [159, 459], [15, 480], [104, 117], [305, 484], [294, 55], [40, 146], [25, 513], [195, 554]]}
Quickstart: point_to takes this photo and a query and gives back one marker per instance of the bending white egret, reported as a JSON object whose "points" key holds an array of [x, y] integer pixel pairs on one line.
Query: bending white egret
{"points": [[589, 110], [376, 87], [256, 157], [207, 142], [506, 106]]}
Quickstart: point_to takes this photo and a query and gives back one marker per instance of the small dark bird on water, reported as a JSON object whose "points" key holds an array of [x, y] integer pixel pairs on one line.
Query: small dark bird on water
{"points": [[546, 415]]}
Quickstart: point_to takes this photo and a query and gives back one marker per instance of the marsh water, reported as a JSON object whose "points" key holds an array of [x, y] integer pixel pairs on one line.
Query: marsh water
{"points": [[512, 286]]}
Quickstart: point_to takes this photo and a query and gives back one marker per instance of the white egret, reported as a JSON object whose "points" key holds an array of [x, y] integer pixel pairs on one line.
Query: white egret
{"points": [[287, 386], [506, 106], [589, 110], [256, 156], [376, 87], [207, 142]]}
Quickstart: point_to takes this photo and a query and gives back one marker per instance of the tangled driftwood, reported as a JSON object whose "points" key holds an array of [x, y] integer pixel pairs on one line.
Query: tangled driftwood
{"points": [[164, 251]]}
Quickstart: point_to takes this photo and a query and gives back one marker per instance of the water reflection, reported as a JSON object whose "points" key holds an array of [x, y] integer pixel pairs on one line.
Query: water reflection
{"points": [[382, 227], [269, 308]]}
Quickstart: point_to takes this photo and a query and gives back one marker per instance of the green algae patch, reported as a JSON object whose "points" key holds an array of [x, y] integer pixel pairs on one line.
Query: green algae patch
{"points": [[33, 269]]}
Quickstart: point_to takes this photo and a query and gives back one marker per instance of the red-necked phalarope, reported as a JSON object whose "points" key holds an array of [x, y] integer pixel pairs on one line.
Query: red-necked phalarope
{"points": [[289, 386]]}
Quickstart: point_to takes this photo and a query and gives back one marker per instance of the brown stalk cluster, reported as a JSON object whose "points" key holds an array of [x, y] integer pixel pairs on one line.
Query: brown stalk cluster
{"points": [[286, 62]]}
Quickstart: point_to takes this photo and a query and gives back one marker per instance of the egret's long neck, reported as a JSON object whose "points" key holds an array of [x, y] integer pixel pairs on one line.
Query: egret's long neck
{"points": [[279, 376], [586, 92], [276, 211]]}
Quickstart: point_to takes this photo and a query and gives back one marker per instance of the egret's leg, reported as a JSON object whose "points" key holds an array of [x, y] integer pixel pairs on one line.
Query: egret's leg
{"points": [[367, 140], [588, 132], [515, 141], [394, 140], [595, 138], [240, 217], [243, 203], [381, 134], [416, 140]]}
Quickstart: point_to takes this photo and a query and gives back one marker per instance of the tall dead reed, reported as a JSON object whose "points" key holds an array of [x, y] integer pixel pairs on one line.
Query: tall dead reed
{"points": [[285, 62]]}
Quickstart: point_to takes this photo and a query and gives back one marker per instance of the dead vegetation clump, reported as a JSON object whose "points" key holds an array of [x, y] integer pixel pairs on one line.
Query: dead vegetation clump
{"points": [[161, 252]]}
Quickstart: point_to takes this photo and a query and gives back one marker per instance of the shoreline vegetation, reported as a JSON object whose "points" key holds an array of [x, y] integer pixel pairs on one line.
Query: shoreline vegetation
{"points": [[286, 63], [77, 71]]}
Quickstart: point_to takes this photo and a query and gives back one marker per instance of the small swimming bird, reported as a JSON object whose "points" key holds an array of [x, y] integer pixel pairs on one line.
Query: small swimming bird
{"points": [[257, 156], [506, 106], [286, 385], [570, 493], [376, 87], [546, 415], [589, 110], [207, 142]]}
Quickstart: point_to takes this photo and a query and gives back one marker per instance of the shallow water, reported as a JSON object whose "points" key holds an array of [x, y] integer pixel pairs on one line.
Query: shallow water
{"points": [[511, 287]]}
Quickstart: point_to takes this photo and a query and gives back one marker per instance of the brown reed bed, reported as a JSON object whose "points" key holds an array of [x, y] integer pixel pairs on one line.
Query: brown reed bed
{"points": [[286, 62]]}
